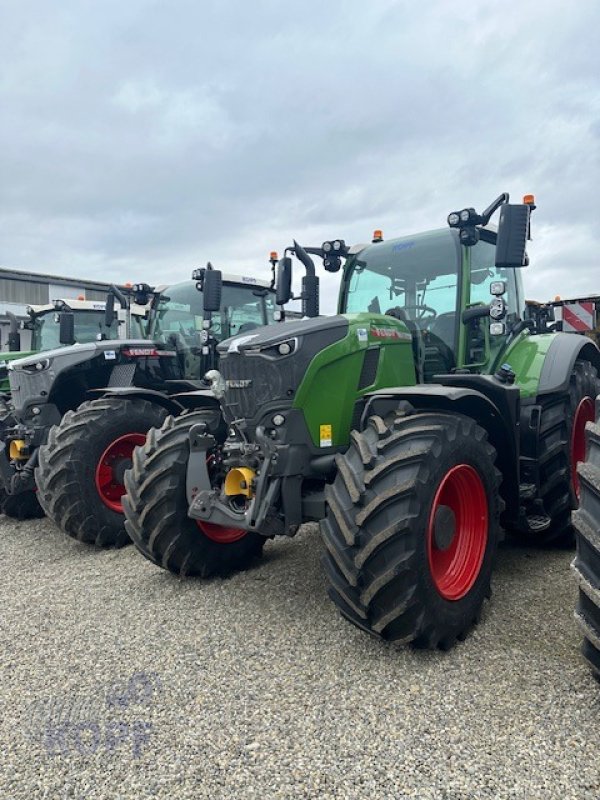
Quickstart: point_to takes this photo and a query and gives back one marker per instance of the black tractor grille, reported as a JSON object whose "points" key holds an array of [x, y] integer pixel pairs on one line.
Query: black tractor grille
{"points": [[253, 381]]}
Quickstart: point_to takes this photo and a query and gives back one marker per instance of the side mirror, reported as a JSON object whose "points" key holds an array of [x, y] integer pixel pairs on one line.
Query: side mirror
{"points": [[109, 311], [211, 290], [66, 327], [283, 292], [14, 337], [513, 230], [14, 341]]}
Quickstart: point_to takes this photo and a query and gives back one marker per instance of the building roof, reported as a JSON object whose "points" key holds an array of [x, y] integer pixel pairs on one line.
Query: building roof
{"points": [[57, 280]]}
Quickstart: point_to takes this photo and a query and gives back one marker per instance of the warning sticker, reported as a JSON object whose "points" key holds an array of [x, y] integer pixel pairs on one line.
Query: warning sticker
{"points": [[361, 335], [325, 435]]}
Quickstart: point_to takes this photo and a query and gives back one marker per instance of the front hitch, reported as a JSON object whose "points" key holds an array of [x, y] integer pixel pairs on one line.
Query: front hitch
{"points": [[209, 504]]}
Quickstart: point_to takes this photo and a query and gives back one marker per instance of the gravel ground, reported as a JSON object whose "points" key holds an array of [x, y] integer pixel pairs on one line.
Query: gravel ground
{"points": [[120, 681]]}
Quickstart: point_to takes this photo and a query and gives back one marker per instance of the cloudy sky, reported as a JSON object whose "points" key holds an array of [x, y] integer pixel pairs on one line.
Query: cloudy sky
{"points": [[139, 139]]}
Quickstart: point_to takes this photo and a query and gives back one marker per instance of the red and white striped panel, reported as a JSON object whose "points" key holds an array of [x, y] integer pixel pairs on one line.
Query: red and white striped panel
{"points": [[578, 317]]}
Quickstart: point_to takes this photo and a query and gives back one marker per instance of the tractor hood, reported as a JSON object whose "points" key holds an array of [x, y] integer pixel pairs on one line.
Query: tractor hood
{"points": [[76, 353], [37, 379], [273, 335], [319, 366], [268, 364]]}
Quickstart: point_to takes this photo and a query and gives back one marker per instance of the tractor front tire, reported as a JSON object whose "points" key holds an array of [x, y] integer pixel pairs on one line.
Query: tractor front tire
{"points": [[586, 565], [411, 528], [156, 507], [81, 468]]}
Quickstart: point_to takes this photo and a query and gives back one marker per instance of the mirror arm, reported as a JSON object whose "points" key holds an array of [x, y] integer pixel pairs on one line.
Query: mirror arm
{"points": [[305, 259], [493, 207], [119, 295]]}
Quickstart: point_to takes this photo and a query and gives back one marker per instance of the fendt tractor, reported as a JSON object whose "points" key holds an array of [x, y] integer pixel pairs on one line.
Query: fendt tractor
{"points": [[412, 425], [43, 322], [78, 412], [586, 565]]}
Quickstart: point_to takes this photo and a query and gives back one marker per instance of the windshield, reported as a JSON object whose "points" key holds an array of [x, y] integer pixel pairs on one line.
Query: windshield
{"points": [[420, 276], [88, 324], [243, 308]]}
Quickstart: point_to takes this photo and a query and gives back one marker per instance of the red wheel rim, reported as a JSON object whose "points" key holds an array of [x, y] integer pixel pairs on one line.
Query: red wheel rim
{"points": [[454, 568], [221, 534], [583, 415], [111, 466]]}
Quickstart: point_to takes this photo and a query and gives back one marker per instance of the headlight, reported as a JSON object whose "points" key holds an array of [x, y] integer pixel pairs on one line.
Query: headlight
{"points": [[453, 219], [497, 308], [497, 288], [37, 366], [274, 350]]}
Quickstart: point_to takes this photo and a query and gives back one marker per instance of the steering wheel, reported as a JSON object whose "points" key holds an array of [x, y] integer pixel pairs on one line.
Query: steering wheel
{"points": [[424, 309]]}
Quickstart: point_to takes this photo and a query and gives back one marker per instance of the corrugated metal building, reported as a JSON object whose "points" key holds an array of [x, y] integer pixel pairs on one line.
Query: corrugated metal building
{"points": [[19, 289]]}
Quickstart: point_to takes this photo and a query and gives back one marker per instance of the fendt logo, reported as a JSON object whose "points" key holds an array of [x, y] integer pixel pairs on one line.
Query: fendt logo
{"points": [[385, 333], [239, 384]]}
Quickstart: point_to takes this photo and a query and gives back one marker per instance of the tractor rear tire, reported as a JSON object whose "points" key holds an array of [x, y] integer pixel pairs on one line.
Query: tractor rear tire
{"points": [[24, 505], [81, 467], [156, 507], [586, 565], [561, 447], [411, 528]]}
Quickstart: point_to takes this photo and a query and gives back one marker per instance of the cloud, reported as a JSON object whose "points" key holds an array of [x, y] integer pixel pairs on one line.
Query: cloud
{"points": [[140, 140]]}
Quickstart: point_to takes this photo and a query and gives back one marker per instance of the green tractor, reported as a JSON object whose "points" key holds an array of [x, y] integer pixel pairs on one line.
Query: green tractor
{"points": [[44, 322], [414, 425], [77, 412]]}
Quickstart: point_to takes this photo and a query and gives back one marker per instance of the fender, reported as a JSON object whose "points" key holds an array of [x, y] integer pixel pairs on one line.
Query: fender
{"points": [[543, 363], [200, 398], [562, 354], [493, 405], [160, 398]]}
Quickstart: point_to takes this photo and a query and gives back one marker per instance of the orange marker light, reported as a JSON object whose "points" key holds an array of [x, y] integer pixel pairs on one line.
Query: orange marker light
{"points": [[129, 284], [273, 256], [529, 199], [81, 297], [378, 236]]}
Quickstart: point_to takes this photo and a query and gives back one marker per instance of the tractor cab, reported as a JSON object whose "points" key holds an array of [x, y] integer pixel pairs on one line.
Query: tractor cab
{"points": [[88, 323], [443, 291], [192, 326], [458, 290]]}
